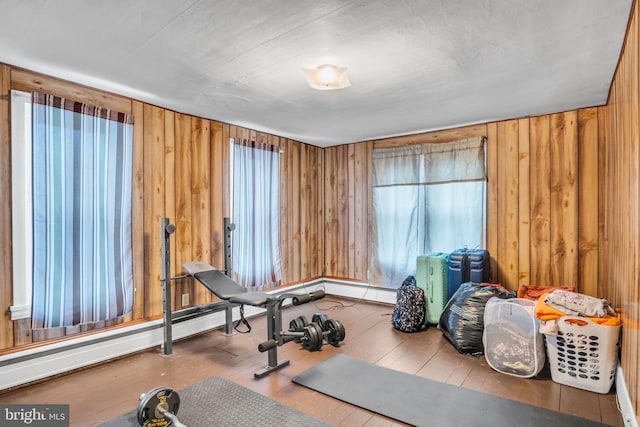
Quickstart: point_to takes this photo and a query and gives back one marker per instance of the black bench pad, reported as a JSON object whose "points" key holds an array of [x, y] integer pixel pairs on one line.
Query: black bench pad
{"points": [[223, 287]]}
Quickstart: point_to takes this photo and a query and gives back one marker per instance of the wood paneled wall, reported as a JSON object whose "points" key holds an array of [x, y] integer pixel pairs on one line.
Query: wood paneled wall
{"points": [[181, 170], [347, 204], [620, 194], [542, 200]]}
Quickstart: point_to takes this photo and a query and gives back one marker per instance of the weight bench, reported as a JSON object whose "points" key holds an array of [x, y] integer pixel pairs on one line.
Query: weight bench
{"points": [[228, 290], [232, 294]]}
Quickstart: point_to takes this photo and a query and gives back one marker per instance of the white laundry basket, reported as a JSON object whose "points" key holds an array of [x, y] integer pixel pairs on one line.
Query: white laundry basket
{"points": [[584, 354], [511, 338]]}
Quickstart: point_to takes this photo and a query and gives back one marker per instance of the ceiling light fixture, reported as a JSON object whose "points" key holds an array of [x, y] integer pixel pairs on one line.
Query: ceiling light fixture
{"points": [[327, 77]]}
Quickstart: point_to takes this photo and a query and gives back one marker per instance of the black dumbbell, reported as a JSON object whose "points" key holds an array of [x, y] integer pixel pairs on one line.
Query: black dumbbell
{"points": [[297, 325], [332, 330], [336, 333], [312, 338], [320, 319]]}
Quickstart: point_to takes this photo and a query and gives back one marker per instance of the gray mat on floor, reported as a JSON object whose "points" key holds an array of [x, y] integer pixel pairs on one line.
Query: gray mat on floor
{"points": [[419, 401], [218, 402]]}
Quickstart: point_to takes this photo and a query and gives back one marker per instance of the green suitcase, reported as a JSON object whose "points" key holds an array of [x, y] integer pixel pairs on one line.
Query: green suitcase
{"points": [[431, 276]]}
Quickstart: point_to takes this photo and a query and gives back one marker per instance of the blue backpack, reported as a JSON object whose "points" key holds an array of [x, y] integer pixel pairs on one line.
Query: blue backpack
{"points": [[409, 311]]}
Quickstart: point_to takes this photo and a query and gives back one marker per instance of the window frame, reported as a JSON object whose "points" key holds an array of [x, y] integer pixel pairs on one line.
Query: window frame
{"points": [[21, 180], [21, 108], [390, 271]]}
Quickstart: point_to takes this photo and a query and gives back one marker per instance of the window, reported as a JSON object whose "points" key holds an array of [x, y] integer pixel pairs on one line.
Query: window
{"points": [[427, 198], [256, 214], [72, 169]]}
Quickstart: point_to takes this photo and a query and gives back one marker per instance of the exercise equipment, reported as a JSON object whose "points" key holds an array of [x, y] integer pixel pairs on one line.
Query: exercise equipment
{"points": [[336, 332], [159, 408], [297, 325], [310, 336], [331, 330], [232, 294], [320, 319]]}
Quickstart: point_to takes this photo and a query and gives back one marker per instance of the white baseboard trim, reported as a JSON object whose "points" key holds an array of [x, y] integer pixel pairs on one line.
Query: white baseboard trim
{"points": [[624, 400], [359, 290], [35, 364]]}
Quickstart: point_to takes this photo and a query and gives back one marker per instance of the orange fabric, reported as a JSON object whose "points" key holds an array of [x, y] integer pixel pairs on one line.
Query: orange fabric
{"points": [[495, 285], [546, 312], [533, 292]]}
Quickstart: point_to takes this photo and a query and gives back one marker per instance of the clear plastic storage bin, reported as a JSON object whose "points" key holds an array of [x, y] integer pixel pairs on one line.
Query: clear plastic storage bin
{"points": [[511, 338], [584, 354]]}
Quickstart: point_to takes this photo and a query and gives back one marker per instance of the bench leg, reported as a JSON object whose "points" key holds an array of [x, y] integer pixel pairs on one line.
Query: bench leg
{"points": [[228, 321], [267, 370], [274, 329]]}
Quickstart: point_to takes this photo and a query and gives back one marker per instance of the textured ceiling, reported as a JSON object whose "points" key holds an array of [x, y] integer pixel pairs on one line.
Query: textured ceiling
{"points": [[414, 65]]}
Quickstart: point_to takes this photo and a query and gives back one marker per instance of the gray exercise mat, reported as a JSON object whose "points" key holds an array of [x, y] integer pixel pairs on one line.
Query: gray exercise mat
{"points": [[218, 402], [419, 401]]}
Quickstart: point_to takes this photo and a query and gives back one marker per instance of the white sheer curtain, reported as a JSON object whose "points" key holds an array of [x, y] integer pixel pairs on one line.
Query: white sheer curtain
{"points": [[426, 198], [256, 213]]}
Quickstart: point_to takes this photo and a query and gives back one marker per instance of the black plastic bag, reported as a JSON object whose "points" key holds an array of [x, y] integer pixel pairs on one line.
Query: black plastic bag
{"points": [[462, 321]]}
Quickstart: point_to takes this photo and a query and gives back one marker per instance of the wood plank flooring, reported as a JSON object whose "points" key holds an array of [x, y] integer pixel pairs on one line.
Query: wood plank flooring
{"points": [[102, 392]]}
